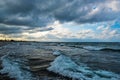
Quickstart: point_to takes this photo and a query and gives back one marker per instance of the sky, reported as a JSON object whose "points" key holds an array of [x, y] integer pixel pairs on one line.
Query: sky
{"points": [[60, 20]]}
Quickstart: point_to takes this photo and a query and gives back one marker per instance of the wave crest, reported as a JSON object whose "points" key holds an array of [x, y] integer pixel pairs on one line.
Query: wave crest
{"points": [[63, 65], [95, 48]]}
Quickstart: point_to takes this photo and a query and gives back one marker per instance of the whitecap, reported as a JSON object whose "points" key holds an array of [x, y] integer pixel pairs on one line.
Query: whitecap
{"points": [[14, 70], [57, 53], [92, 48], [65, 66]]}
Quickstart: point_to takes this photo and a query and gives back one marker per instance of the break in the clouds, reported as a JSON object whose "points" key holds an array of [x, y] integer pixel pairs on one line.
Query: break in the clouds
{"points": [[50, 19]]}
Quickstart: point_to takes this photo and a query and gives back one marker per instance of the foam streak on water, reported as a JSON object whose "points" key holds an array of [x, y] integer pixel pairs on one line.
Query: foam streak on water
{"points": [[14, 69]]}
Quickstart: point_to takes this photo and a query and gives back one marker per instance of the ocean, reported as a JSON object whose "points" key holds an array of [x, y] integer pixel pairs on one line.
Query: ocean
{"points": [[60, 60]]}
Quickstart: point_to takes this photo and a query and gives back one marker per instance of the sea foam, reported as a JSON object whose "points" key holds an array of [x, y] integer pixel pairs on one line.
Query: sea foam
{"points": [[65, 66], [14, 70]]}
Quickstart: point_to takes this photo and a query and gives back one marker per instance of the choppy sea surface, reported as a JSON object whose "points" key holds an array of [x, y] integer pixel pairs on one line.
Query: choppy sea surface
{"points": [[78, 61]]}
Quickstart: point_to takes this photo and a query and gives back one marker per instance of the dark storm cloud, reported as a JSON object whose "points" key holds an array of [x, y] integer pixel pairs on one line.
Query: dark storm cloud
{"points": [[5, 29], [46, 29], [80, 11], [40, 13], [39, 29]]}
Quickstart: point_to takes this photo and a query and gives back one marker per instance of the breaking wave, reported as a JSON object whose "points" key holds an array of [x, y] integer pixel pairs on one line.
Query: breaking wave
{"points": [[65, 66], [62, 65], [95, 48]]}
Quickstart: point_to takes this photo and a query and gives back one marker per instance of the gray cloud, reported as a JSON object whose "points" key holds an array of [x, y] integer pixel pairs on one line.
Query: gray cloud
{"points": [[5, 29], [39, 13]]}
